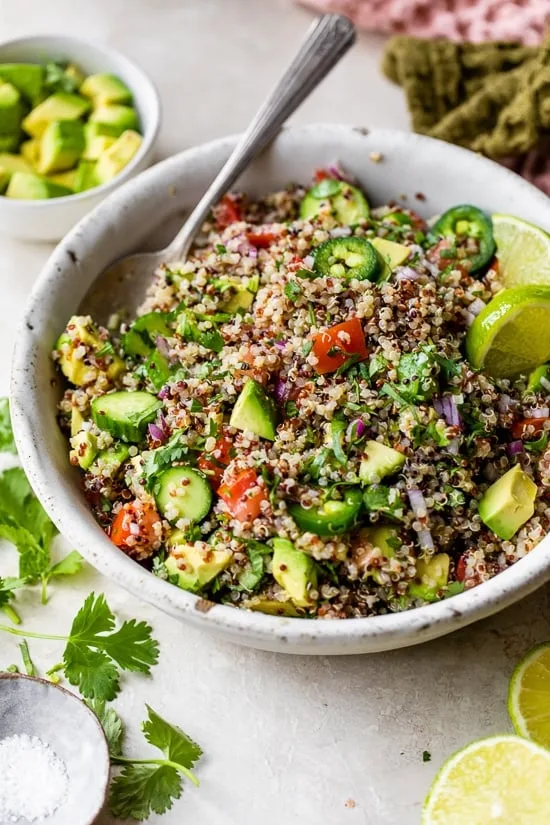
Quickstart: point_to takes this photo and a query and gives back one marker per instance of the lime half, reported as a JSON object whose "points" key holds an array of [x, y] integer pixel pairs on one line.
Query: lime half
{"points": [[511, 335], [529, 696], [523, 251], [503, 780]]}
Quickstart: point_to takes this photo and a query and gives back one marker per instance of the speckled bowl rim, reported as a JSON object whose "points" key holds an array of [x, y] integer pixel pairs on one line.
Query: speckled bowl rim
{"points": [[256, 629]]}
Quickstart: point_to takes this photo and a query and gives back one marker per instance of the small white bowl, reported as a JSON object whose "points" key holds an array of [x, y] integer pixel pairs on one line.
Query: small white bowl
{"points": [[37, 708], [50, 220], [430, 176]]}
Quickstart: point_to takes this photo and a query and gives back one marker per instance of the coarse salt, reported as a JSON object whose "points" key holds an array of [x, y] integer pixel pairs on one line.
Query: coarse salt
{"points": [[33, 779]]}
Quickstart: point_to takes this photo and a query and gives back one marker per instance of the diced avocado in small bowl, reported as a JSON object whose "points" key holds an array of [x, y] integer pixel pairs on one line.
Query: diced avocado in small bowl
{"points": [[76, 120]]}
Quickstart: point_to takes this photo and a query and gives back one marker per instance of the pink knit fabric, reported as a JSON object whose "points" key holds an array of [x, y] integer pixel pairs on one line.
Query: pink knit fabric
{"points": [[522, 21]]}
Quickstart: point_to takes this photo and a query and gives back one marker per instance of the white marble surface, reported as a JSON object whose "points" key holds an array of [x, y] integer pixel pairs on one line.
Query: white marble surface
{"points": [[289, 740]]}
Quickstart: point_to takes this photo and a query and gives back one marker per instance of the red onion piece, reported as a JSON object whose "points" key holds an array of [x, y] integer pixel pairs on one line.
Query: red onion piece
{"points": [[281, 391], [453, 447], [504, 403], [156, 432], [407, 273], [476, 306], [515, 447], [280, 344], [253, 252], [164, 393], [446, 406], [355, 431], [162, 346], [336, 171], [538, 412], [418, 503], [425, 540], [308, 262]]}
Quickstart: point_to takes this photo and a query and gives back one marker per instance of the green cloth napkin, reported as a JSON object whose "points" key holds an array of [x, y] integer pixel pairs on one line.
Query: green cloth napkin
{"points": [[493, 98]]}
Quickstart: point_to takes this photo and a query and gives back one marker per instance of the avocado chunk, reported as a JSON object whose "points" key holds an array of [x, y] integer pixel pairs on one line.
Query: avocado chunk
{"points": [[61, 146], [508, 503], [85, 176], [9, 143], [84, 449], [96, 145], [195, 565], [116, 157], [273, 607], [4, 179], [60, 106], [75, 76], [392, 255], [14, 163], [81, 332], [431, 577], [26, 77], [254, 411], [114, 119], [384, 538], [23, 186], [68, 179], [240, 293], [30, 151], [378, 462], [77, 420], [294, 571], [11, 110], [105, 88], [109, 461]]}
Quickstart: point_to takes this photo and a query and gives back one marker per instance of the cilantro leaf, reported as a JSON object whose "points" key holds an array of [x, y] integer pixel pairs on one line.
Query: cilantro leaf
{"points": [[111, 724], [68, 566], [156, 460], [337, 430], [142, 789], [25, 523], [7, 443], [147, 785], [93, 647], [173, 742], [292, 291], [258, 557], [56, 79], [91, 671]]}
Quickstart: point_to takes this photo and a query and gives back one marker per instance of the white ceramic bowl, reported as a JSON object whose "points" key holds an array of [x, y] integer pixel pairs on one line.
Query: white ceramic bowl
{"points": [[50, 220], [443, 174]]}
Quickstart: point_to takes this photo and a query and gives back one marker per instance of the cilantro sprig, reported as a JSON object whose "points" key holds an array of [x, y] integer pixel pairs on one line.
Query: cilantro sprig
{"points": [[151, 785], [7, 442], [95, 651]]}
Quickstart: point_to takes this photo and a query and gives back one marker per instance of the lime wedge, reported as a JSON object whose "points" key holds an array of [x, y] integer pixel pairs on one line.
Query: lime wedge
{"points": [[523, 251], [511, 335], [502, 780], [529, 696]]}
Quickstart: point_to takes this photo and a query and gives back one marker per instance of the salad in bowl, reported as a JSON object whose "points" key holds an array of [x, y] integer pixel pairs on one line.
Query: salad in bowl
{"points": [[327, 411]]}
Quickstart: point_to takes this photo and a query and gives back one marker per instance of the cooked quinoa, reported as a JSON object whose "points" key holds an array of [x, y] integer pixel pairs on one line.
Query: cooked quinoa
{"points": [[252, 308]]}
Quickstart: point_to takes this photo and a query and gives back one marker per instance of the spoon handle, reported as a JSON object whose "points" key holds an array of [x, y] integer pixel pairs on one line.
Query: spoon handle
{"points": [[327, 40]]}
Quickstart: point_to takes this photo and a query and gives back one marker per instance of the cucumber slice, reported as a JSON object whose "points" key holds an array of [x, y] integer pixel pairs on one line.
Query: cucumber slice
{"points": [[125, 414], [183, 492]]}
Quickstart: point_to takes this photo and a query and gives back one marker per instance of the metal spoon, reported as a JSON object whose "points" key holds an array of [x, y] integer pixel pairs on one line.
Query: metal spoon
{"points": [[327, 40]]}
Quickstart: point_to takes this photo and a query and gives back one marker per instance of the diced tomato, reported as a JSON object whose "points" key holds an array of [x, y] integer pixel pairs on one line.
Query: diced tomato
{"points": [[461, 568], [321, 174], [242, 504], [135, 519], [520, 428], [261, 240], [227, 212], [214, 463], [335, 345]]}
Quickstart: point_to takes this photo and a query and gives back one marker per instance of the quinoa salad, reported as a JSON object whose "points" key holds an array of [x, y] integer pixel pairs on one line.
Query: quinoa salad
{"points": [[297, 421]]}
